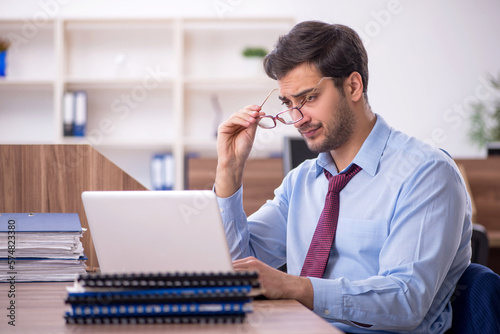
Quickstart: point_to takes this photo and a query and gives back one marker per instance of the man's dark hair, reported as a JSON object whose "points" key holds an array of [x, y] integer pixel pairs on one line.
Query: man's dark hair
{"points": [[334, 49]]}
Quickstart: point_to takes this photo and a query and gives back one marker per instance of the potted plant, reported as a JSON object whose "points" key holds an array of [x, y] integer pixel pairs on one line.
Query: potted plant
{"points": [[4, 45], [255, 56], [485, 120], [256, 52]]}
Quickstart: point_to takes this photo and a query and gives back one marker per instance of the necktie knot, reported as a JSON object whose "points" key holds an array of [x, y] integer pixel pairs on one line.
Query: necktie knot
{"points": [[338, 182]]}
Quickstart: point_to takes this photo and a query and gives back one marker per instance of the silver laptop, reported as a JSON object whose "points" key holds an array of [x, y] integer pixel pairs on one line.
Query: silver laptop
{"points": [[157, 231]]}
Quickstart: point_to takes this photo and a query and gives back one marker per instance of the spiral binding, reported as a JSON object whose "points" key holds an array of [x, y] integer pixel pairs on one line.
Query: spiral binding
{"points": [[106, 298], [187, 319], [168, 280]]}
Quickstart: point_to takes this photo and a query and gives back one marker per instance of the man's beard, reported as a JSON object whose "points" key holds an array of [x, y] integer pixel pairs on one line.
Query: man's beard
{"points": [[337, 132]]}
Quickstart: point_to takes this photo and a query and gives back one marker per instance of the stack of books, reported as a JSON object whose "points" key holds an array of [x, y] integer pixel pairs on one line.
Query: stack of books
{"points": [[41, 247], [164, 298]]}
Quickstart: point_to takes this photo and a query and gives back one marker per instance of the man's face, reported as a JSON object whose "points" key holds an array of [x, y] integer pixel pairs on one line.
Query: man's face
{"points": [[328, 120]]}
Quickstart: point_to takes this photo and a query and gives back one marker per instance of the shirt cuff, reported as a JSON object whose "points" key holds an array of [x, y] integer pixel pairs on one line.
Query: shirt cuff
{"points": [[327, 297], [232, 206], [235, 224]]}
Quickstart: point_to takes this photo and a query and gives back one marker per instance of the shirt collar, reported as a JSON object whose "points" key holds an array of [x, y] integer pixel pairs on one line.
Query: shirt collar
{"points": [[368, 157]]}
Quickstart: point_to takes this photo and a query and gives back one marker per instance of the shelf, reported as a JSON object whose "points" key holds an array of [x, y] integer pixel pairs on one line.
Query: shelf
{"points": [[117, 145], [197, 145], [264, 24], [122, 24], [153, 85], [26, 84], [74, 141], [230, 83], [148, 82], [267, 143], [123, 145]]}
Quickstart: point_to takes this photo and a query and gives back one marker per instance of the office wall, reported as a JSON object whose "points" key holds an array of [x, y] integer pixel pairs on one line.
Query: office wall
{"points": [[429, 60]]}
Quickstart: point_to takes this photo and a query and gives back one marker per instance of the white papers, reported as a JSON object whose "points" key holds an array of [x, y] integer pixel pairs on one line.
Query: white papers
{"points": [[52, 245], [42, 270]]}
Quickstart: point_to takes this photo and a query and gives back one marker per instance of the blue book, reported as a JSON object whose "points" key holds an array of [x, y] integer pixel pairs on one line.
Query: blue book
{"points": [[40, 222]]}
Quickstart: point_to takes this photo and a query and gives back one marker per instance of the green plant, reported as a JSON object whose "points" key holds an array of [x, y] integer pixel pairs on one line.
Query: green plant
{"points": [[4, 44], [256, 52], [485, 119]]}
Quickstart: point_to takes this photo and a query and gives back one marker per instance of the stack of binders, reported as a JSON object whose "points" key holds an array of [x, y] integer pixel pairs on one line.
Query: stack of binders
{"points": [[162, 171], [41, 247], [166, 298], [75, 113]]}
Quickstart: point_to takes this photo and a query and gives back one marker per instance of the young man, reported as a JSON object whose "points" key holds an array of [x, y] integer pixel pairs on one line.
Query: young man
{"points": [[401, 225]]}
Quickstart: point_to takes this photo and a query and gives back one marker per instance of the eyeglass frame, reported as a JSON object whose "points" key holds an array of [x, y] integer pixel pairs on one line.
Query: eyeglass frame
{"points": [[276, 117]]}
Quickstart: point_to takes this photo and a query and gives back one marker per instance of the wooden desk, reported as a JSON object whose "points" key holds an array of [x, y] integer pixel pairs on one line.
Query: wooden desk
{"points": [[40, 308]]}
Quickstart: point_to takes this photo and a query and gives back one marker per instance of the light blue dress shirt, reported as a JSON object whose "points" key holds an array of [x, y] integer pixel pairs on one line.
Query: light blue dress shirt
{"points": [[402, 242]]}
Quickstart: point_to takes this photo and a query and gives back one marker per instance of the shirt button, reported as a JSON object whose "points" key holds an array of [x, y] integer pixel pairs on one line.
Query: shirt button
{"points": [[221, 210], [327, 312]]}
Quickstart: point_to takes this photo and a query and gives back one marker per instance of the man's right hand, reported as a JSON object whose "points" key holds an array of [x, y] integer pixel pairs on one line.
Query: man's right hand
{"points": [[234, 142]]}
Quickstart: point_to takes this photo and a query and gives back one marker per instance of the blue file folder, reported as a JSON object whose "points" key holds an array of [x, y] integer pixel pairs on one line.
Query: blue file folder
{"points": [[40, 222]]}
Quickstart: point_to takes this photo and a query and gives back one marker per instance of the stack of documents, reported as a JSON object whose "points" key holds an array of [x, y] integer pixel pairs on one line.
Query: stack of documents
{"points": [[40, 247], [161, 298]]}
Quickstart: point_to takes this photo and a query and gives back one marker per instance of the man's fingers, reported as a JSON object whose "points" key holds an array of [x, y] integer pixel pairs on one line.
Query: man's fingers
{"points": [[242, 118], [248, 263]]}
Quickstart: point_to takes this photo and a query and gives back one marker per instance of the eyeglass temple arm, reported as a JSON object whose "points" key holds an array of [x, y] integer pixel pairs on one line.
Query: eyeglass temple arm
{"points": [[268, 95]]}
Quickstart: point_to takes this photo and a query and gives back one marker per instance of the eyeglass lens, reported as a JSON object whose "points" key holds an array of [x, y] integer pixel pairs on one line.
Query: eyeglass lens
{"points": [[287, 116], [267, 122]]}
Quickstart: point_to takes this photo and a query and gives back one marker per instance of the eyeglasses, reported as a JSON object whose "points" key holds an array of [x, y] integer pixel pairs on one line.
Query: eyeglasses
{"points": [[289, 116]]}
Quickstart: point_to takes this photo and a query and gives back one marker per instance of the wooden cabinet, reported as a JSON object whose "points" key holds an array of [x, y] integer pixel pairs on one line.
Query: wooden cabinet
{"points": [[484, 179], [260, 179]]}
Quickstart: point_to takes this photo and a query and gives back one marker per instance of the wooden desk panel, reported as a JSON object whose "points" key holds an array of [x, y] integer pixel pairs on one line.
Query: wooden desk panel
{"points": [[51, 178], [40, 308], [260, 178]]}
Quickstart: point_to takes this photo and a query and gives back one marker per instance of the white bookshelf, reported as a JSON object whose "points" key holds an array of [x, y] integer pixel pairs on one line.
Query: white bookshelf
{"points": [[150, 83]]}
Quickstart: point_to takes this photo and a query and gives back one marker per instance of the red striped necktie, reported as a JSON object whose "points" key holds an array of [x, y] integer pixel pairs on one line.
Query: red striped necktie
{"points": [[322, 241]]}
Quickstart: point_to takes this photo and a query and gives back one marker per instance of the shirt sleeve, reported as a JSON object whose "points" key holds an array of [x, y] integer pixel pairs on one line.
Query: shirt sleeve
{"points": [[262, 234], [419, 263]]}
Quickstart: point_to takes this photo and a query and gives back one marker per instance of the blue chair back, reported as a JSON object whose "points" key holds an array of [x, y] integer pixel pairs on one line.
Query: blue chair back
{"points": [[476, 301]]}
